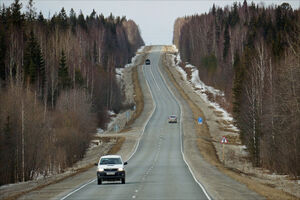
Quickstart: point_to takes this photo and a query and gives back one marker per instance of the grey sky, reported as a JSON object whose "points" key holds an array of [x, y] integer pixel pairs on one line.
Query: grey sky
{"points": [[155, 18]]}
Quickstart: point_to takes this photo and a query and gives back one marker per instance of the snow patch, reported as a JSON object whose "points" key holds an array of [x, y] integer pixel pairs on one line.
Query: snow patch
{"points": [[111, 112], [119, 74], [201, 88], [141, 49]]}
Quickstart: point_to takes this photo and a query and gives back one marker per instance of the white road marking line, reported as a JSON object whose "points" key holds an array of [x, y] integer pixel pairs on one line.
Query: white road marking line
{"points": [[154, 79], [148, 119], [77, 189], [180, 124]]}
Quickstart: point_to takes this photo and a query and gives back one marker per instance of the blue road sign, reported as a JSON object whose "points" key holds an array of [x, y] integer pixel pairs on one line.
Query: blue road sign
{"points": [[200, 120]]}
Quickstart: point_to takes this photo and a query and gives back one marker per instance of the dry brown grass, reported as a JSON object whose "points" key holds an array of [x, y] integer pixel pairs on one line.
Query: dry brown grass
{"points": [[208, 151], [117, 146], [138, 98], [233, 140], [228, 129]]}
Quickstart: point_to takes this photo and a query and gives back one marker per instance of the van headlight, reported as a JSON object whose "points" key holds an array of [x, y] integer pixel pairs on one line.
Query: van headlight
{"points": [[100, 169], [120, 169]]}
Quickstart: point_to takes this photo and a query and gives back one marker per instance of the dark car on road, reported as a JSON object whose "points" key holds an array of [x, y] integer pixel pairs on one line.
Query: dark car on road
{"points": [[147, 62]]}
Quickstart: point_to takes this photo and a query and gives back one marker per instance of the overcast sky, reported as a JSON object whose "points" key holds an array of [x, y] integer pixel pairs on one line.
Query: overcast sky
{"points": [[155, 18]]}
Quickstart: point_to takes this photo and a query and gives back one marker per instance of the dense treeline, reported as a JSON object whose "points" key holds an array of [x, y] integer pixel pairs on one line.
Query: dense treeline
{"points": [[252, 53], [57, 81]]}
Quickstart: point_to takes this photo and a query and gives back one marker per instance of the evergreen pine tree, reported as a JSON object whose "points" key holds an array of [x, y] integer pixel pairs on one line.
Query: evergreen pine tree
{"points": [[73, 20], [237, 84], [81, 21], [226, 42], [63, 74], [2, 55], [62, 18], [30, 67], [41, 71], [17, 17], [41, 18]]}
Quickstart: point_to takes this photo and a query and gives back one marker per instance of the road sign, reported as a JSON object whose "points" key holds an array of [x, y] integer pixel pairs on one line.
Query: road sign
{"points": [[200, 120], [224, 140]]}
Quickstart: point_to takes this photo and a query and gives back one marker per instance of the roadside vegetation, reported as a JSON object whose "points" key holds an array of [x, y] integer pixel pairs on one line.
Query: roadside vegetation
{"points": [[252, 54], [57, 82]]}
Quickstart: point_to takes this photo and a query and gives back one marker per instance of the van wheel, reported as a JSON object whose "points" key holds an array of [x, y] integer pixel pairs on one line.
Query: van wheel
{"points": [[123, 180], [99, 181]]}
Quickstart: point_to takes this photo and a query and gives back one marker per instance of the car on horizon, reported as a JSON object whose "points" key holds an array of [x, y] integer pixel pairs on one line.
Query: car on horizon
{"points": [[172, 119], [147, 62], [110, 168]]}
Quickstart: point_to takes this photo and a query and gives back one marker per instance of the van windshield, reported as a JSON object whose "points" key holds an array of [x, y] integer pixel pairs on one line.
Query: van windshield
{"points": [[110, 161]]}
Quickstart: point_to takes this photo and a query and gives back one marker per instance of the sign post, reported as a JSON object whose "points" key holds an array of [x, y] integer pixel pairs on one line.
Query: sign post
{"points": [[223, 142], [127, 116]]}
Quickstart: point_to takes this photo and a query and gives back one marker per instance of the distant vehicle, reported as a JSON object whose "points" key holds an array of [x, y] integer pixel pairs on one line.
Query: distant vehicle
{"points": [[147, 62], [172, 119], [111, 168]]}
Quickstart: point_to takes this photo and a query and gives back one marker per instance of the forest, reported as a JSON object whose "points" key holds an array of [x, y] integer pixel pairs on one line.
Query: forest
{"points": [[252, 53], [57, 84]]}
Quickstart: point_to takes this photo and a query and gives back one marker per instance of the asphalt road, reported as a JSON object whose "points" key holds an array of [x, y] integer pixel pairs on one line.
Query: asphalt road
{"points": [[157, 169]]}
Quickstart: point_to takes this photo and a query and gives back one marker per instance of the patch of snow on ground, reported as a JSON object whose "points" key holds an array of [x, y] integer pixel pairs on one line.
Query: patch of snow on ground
{"points": [[111, 112], [183, 73], [119, 73], [134, 58], [195, 82]]}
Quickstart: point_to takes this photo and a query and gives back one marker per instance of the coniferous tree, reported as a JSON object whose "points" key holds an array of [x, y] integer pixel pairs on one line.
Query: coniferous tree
{"points": [[226, 42], [73, 20], [41, 18], [2, 55], [63, 74], [62, 19], [237, 84], [30, 66], [31, 13], [81, 21], [17, 16]]}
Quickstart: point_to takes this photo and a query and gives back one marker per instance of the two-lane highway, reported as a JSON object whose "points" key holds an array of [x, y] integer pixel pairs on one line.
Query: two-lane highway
{"points": [[157, 169]]}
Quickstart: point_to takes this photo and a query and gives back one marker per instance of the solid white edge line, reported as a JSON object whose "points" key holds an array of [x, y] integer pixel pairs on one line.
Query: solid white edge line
{"points": [[148, 119], [154, 78], [136, 146], [77, 189], [181, 141]]}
